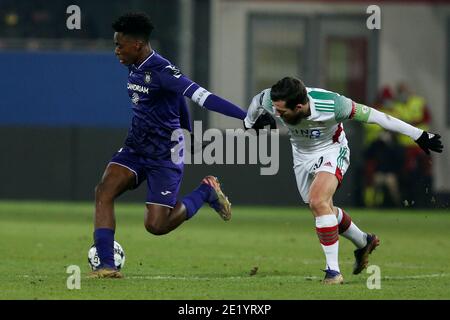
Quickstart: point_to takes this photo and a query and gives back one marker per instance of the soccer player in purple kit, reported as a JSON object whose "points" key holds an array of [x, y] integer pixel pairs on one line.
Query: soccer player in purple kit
{"points": [[157, 90]]}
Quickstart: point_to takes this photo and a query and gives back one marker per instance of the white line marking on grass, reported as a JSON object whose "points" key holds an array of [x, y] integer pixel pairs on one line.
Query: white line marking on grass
{"points": [[404, 266], [309, 278], [279, 277], [422, 276], [219, 278]]}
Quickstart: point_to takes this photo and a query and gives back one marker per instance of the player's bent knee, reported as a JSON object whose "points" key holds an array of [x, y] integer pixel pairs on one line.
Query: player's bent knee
{"points": [[318, 205], [156, 229]]}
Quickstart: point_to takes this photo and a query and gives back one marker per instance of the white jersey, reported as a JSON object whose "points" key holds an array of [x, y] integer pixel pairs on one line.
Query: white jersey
{"points": [[322, 130]]}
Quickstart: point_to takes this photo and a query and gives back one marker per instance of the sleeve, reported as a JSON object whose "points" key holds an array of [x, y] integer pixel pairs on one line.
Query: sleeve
{"points": [[369, 115], [344, 108], [172, 79], [329, 105], [254, 110]]}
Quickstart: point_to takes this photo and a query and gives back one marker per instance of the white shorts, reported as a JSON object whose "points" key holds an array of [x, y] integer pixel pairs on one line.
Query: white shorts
{"points": [[335, 161]]}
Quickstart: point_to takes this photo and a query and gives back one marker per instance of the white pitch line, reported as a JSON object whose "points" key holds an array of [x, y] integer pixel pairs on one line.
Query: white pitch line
{"points": [[422, 276], [216, 278], [279, 277]]}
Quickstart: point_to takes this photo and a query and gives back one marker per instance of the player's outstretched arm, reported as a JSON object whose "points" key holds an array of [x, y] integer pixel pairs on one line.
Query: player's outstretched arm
{"points": [[172, 79], [427, 141], [212, 102]]}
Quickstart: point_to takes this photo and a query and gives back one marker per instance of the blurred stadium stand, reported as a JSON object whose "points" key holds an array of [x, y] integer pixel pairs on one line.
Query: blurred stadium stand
{"points": [[64, 108]]}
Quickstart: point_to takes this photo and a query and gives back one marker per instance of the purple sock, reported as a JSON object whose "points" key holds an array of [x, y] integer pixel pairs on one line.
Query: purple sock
{"points": [[194, 200], [104, 242]]}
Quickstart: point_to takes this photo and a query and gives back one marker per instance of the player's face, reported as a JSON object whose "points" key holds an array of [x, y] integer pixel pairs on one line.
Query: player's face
{"points": [[290, 116], [126, 48]]}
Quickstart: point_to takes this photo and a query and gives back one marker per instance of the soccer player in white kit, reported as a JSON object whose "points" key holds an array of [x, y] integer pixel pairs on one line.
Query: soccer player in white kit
{"points": [[321, 157]]}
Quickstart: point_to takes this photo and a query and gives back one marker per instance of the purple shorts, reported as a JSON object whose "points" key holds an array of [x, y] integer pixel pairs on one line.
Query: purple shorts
{"points": [[163, 179]]}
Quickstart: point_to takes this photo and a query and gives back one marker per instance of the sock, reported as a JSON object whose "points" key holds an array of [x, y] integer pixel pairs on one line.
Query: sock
{"points": [[350, 231], [327, 231], [104, 242], [194, 200]]}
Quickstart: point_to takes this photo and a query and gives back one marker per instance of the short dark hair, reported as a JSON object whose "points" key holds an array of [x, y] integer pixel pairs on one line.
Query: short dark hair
{"points": [[291, 90], [136, 24]]}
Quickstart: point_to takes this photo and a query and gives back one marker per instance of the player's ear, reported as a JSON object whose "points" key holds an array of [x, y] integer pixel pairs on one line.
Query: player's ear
{"points": [[138, 44]]}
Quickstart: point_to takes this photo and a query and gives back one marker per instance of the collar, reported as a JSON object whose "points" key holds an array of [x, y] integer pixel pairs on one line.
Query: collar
{"points": [[143, 62]]}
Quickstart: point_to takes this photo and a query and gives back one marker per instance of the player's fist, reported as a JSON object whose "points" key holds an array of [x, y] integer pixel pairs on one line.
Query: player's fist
{"points": [[430, 141], [263, 121]]}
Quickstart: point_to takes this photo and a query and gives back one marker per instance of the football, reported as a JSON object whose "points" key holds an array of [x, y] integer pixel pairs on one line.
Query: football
{"points": [[119, 257]]}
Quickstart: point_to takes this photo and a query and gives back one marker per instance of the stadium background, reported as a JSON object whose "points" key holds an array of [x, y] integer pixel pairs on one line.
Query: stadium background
{"points": [[64, 108]]}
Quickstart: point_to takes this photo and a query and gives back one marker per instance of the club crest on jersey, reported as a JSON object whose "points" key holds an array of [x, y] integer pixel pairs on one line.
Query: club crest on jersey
{"points": [[148, 77], [135, 98]]}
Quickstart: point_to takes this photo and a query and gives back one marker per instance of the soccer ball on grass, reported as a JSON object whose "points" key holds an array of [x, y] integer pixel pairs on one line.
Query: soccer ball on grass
{"points": [[119, 257]]}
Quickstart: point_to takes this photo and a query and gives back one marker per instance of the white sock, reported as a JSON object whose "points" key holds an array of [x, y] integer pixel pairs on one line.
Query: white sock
{"points": [[353, 233], [327, 231]]}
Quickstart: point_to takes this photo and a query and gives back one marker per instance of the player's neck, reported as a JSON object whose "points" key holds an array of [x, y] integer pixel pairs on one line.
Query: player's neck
{"points": [[146, 52], [307, 110]]}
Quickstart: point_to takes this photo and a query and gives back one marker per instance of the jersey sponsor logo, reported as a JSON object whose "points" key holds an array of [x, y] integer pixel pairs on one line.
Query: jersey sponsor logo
{"points": [[174, 71], [307, 133], [148, 77], [165, 193], [136, 87]]}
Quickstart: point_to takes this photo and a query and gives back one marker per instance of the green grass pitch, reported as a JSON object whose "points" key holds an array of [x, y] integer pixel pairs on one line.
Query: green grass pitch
{"points": [[207, 258]]}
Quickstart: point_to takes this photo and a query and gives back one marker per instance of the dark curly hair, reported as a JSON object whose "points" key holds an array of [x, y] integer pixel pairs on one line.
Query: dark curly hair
{"points": [[137, 25], [291, 90]]}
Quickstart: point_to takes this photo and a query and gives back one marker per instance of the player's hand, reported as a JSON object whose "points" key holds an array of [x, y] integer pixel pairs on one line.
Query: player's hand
{"points": [[430, 141], [263, 121]]}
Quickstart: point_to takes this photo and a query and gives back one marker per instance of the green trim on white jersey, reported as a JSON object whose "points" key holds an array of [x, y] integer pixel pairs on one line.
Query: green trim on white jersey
{"points": [[331, 102], [324, 102]]}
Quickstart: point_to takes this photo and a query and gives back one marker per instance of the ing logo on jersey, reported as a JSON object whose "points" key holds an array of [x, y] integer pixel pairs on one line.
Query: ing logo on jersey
{"points": [[307, 133]]}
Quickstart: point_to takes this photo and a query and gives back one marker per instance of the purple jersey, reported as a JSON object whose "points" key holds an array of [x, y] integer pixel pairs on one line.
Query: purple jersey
{"points": [[156, 90]]}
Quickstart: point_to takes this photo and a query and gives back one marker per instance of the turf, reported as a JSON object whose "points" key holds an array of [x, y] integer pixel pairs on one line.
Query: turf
{"points": [[262, 253]]}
